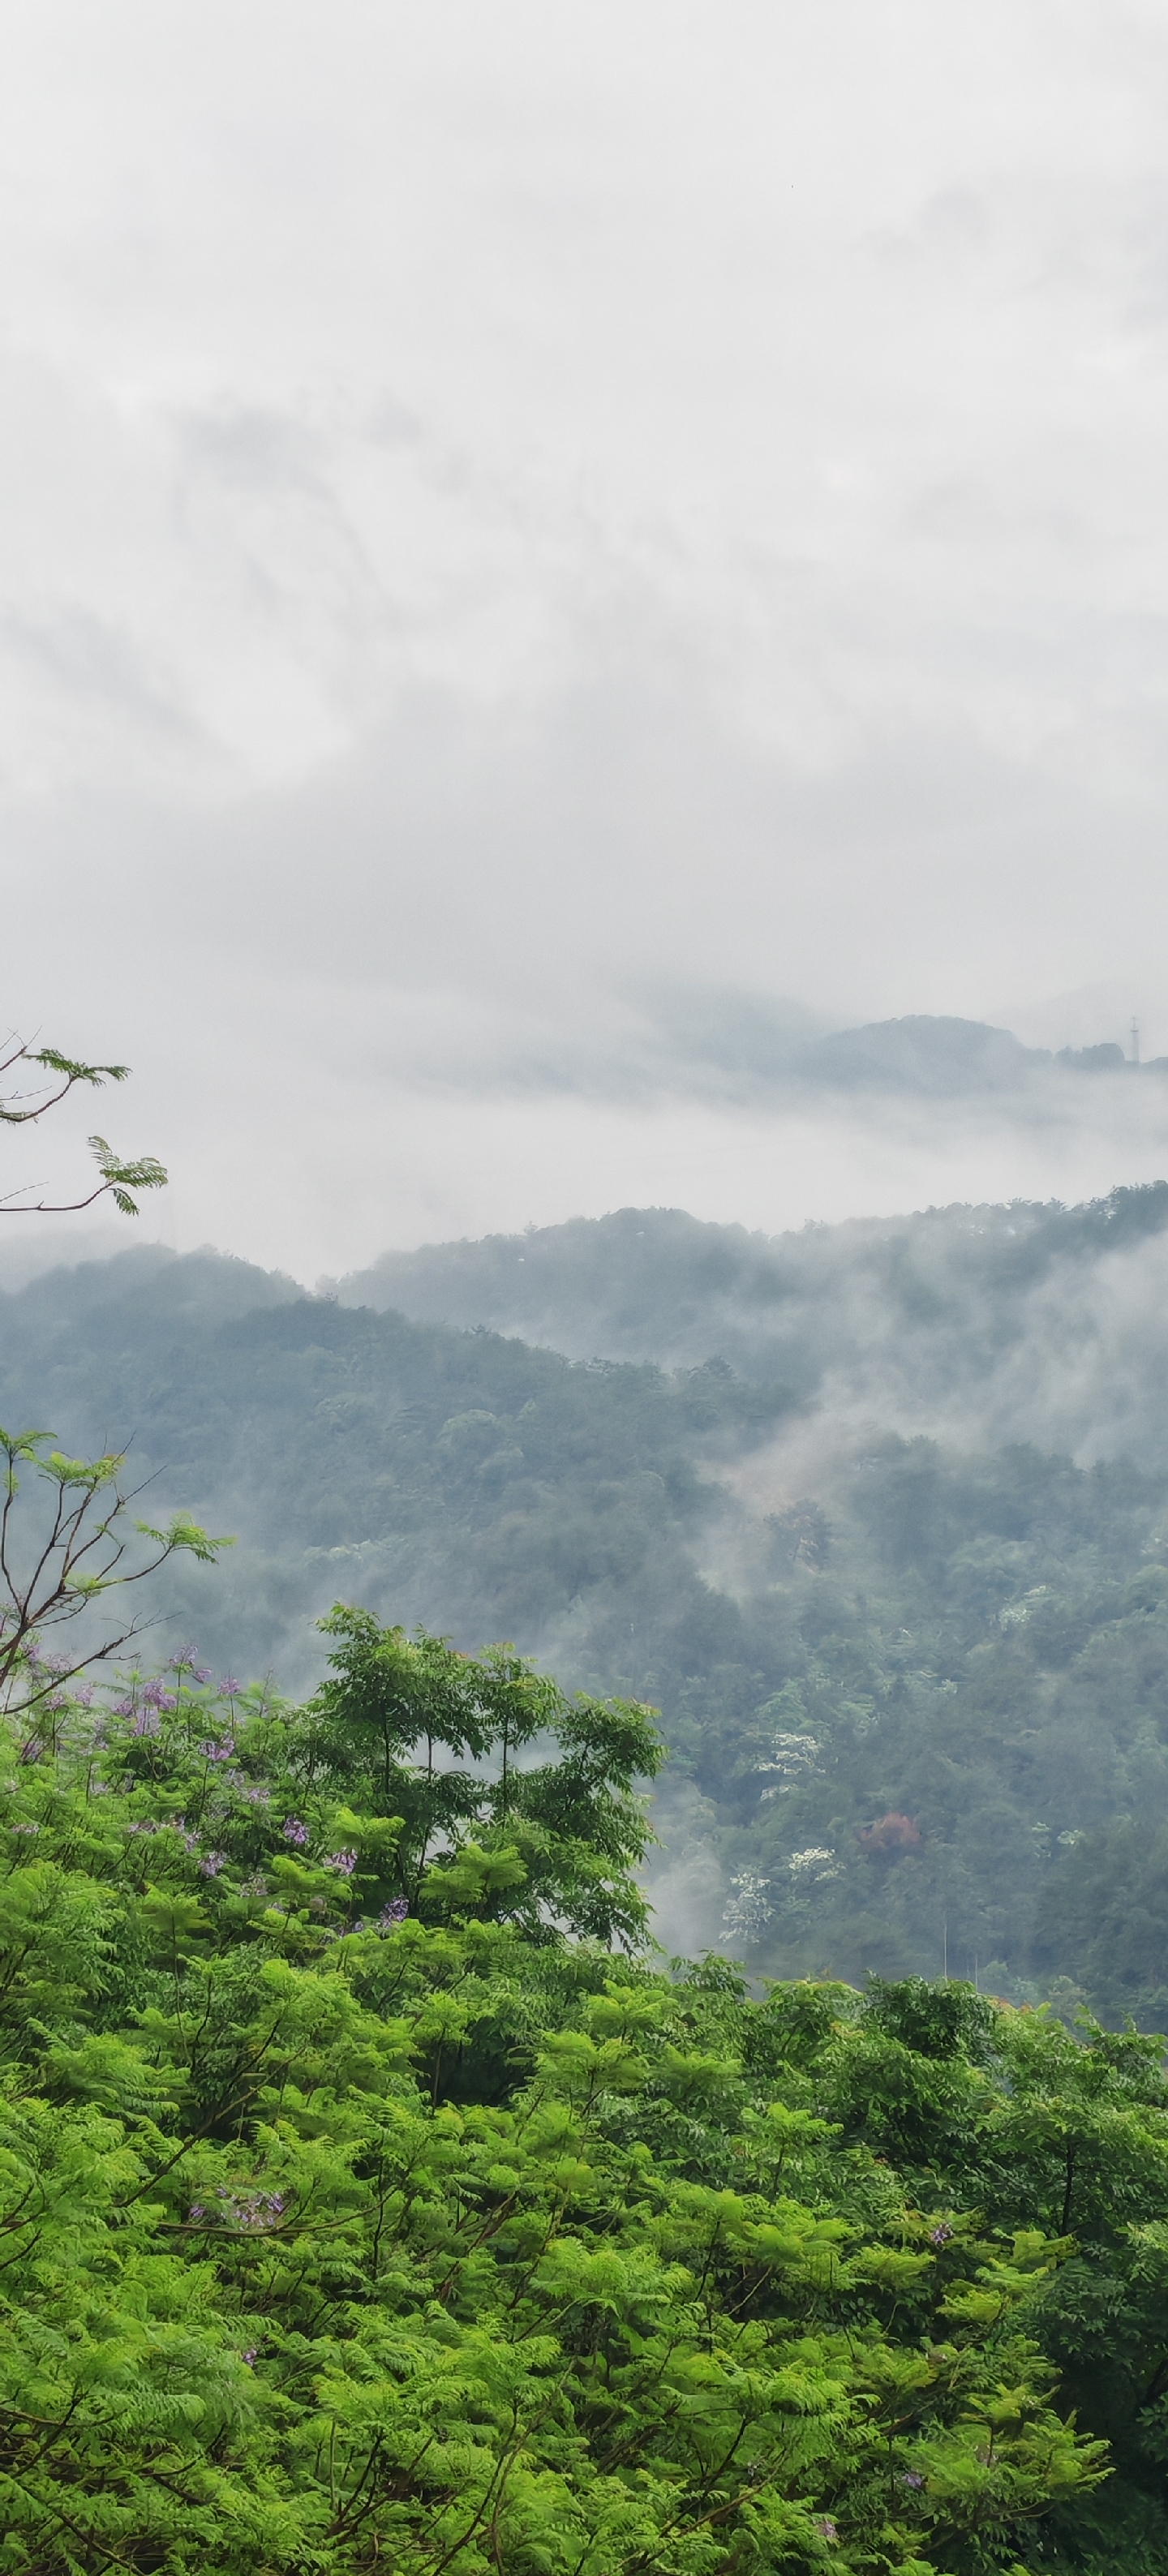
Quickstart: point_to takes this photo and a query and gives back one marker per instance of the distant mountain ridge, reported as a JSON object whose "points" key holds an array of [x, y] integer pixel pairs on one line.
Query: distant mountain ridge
{"points": [[944, 1058], [986, 1323], [747, 1050], [1028, 1321], [743, 1047]]}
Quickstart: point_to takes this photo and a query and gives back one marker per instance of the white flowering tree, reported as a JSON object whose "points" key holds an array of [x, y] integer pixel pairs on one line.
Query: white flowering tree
{"points": [[812, 1867], [748, 1909]]}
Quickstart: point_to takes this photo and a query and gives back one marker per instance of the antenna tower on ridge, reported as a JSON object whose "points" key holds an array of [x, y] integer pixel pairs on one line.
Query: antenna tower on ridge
{"points": [[1135, 1043]]}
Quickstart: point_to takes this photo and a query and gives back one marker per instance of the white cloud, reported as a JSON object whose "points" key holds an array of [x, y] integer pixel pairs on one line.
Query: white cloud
{"points": [[503, 513]]}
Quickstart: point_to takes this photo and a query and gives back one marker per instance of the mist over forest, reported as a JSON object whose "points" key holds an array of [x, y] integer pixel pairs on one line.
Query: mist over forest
{"points": [[876, 1515], [1040, 1322]]}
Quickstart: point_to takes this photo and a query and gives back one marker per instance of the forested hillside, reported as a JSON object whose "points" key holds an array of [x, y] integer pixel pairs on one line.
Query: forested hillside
{"points": [[916, 1692], [984, 1324]]}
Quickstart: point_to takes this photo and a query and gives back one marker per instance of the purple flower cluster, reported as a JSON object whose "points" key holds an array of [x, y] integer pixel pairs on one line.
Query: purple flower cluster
{"points": [[156, 1695], [824, 2525], [256, 1794], [212, 1862], [255, 2210], [187, 1661], [145, 1723], [229, 1688], [392, 1914], [295, 1832], [940, 2235], [344, 1861], [213, 1752], [912, 2478]]}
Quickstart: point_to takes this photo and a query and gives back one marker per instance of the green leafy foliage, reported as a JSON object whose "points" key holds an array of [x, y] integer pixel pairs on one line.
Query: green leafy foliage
{"points": [[24, 1109], [118, 1178], [121, 1178], [359, 2209], [566, 1832]]}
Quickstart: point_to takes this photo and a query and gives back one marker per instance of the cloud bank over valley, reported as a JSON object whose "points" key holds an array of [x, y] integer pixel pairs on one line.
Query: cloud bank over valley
{"points": [[494, 643]]}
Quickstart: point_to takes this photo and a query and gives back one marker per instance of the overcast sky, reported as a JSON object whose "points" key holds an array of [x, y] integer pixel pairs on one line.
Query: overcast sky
{"points": [[523, 527]]}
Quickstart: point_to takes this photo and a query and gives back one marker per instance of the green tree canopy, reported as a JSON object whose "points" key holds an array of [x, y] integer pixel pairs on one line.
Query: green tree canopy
{"points": [[348, 2229], [401, 1717]]}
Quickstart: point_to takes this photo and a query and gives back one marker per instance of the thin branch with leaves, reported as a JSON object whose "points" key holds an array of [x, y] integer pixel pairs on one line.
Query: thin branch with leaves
{"points": [[119, 1177], [79, 1556], [78, 1548]]}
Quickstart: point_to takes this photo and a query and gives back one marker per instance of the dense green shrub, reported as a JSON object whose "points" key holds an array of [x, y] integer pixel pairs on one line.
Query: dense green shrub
{"points": [[361, 2206]]}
